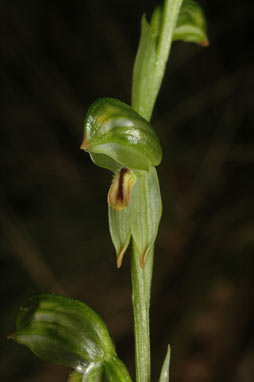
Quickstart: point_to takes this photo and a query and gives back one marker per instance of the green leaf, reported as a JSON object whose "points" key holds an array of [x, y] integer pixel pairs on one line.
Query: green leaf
{"points": [[64, 331], [191, 24], [164, 376]]}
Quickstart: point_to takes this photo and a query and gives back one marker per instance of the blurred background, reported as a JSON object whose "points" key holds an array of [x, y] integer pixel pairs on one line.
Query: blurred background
{"points": [[56, 57]]}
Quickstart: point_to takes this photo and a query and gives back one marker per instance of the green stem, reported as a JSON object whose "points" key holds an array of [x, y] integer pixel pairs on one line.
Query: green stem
{"points": [[141, 278], [141, 286], [168, 23]]}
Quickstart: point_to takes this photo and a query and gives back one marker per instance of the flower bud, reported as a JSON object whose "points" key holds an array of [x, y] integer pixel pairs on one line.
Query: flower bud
{"points": [[64, 331]]}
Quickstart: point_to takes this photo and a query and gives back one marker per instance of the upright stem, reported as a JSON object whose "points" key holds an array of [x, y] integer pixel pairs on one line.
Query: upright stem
{"points": [[141, 286], [147, 78], [168, 23]]}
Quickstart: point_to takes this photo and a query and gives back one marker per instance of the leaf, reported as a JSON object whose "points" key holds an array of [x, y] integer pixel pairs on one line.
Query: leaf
{"points": [[64, 331], [191, 24], [164, 376]]}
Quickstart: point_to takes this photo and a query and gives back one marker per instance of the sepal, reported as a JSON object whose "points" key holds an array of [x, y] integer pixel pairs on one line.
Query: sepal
{"points": [[120, 231], [146, 210], [139, 219]]}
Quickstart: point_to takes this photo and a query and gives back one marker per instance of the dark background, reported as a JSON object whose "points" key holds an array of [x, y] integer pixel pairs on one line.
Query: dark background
{"points": [[56, 57]]}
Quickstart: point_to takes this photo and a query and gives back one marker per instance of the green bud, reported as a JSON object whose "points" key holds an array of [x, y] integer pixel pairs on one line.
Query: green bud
{"points": [[119, 139], [116, 136], [64, 331], [191, 24]]}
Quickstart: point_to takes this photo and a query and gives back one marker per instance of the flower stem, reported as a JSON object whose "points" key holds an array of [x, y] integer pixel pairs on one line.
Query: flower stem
{"points": [[141, 287], [147, 78]]}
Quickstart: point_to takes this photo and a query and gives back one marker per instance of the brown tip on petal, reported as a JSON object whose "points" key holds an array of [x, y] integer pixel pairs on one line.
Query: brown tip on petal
{"points": [[205, 43], [119, 258], [143, 259], [119, 261], [85, 144]]}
